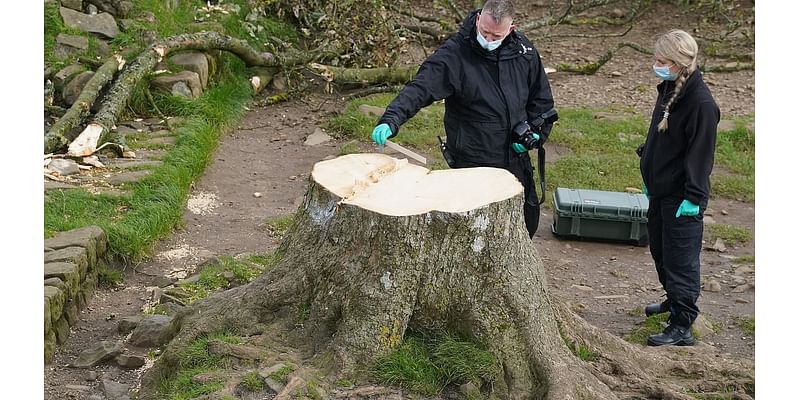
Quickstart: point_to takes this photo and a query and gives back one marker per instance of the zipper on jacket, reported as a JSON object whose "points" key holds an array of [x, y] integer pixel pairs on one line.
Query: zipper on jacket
{"points": [[508, 113]]}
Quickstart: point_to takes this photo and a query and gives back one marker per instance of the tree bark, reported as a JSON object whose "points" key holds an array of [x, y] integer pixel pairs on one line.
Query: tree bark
{"points": [[380, 246], [366, 76], [56, 137]]}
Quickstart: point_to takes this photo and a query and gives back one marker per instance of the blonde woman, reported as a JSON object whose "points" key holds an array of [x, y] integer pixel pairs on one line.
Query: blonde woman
{"points": [[676, 162]]}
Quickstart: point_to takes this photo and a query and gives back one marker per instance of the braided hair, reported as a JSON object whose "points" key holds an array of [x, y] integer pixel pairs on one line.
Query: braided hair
{"points": [[680, 48]]}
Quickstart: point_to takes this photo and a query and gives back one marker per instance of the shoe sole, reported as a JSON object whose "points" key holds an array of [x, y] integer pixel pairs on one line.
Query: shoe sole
{"points": [[678, 343]]}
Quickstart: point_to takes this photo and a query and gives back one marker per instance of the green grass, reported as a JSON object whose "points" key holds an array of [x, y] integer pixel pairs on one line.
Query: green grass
{"points": [[196, 360], [745, 260], [282, 375], [108, 277], [651, 326], [252, 382], [348, 148], [426, 363], [583, 352], [728, 233], [212, 279], [266, 261], [603, 150], [279, 226], [748, 325]]}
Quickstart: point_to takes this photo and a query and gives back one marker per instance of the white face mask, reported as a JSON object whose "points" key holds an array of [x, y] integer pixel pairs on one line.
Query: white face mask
{"points": [[490, 46]]}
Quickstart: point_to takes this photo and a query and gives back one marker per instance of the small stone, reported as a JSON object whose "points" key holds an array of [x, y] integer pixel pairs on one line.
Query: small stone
{"points": [[129, 361], [371, 110], [616, 74], [229, 276], [91, 376], [742, 301], [293, 177], [257, 195], [64, 166], [713, 286], [724, 212], [742, 288]]}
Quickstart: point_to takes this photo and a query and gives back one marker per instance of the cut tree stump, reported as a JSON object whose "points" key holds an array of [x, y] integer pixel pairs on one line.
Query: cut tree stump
{"points": [[380, 247]]}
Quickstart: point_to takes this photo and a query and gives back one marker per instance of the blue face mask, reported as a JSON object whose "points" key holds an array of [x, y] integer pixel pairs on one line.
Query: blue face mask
{"points": [[664, 73], [490, 46]]}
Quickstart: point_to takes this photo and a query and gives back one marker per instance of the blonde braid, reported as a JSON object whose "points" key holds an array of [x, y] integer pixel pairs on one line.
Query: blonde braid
{"points": [[684, 75]]}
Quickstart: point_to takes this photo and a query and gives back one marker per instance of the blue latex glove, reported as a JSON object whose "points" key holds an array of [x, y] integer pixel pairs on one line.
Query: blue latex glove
{"points": [[645, 191], [687, 208], [518, 148], [381, 133]]}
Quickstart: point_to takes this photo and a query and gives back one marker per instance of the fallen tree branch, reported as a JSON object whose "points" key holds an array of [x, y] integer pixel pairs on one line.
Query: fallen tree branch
{"points": [[550, 20], [588, 35], [591, 68], [373, 90], [56, 138], [366, 76], [730, 68], [100, 128], [430, 31]]}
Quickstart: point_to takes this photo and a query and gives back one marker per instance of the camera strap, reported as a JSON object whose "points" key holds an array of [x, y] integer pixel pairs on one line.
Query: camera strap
{"points": [[540, 155]]}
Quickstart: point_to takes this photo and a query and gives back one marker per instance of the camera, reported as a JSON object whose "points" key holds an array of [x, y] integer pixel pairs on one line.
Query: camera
{"points": [[523, 131]]}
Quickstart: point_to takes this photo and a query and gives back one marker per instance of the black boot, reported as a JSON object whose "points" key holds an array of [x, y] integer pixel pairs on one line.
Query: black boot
{"points": [[656, 308], [673, 335]]}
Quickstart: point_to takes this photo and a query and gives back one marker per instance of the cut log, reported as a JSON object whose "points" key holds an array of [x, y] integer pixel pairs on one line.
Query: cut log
{"points": [[56, 137], [380, 247]]}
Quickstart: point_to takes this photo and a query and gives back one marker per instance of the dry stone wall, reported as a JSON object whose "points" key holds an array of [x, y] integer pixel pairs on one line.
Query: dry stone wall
{"points": [[71, 262]]}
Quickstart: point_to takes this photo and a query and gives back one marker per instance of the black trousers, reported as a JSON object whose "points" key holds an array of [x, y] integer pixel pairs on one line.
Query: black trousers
{"points": [[521, 168], [675, 245]]}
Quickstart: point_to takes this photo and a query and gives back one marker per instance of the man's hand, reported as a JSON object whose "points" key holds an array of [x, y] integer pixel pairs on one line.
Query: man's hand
{"points": [[518, 148], [381, 133], [688, 209]]}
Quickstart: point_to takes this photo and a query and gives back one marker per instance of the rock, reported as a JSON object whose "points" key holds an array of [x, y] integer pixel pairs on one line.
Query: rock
{"points": [[89, 237], [91, 376], [724, 212], [126, 130], [742, 288], [229, 276], [102, 351], [279, 82], [369, 110], [209, 377], [139, 126], [703, 326], [190, 79], [742, 301], [713, 286], [726, 125], [103, 23], [239, 351], [274, 385], [61, 328], [92, 9], [174, 122], [741, 270], [64, 166], [257, 195], [128, 177], [127, 324], [123, 163], [318, 137], [470, 390], [265, 373], [709, 220], [181, 89], [66, 74], [719, 245], [160, 141], [114, 390], [66, 272], [67, 45], [163, 281], [129, 361], [74, 88], [616, 74], [50, 186], [76, 5], [79, 388], [103, 48], [193, 61], [153, 331]]}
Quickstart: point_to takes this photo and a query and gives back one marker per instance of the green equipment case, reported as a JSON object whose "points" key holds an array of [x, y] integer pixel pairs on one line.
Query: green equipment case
{"points": [[597, 214]]}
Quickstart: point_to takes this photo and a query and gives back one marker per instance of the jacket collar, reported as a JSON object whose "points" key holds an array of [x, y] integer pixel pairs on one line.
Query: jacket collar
{"points": [[668, 86]]}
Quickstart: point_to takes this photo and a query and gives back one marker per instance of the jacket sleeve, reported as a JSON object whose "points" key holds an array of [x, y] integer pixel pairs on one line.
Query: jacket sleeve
{"points": [[436, 79], [701, 138], [540, 98]]}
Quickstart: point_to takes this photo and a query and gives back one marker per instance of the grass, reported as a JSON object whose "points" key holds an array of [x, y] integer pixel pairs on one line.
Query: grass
{"points": [[282, 375], [252, 382], [108, 277], [426, 363], [728, 233], [212, 278], [279, 226], [748, 325], [652, 325], [745, 260], [196, 360], [603, 150]]}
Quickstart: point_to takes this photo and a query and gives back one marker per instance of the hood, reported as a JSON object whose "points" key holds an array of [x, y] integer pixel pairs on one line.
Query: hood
{"points": [[513, 45]]}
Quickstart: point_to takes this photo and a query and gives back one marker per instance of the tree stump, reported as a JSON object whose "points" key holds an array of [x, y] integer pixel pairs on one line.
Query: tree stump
{"points": [[380, 246]]}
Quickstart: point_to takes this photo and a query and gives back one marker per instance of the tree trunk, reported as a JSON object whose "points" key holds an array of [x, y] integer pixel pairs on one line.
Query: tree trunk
{"points": [[380, 246]]}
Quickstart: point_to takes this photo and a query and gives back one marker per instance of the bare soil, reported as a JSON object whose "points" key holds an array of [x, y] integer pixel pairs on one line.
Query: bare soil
{"points": [[609, 282]]}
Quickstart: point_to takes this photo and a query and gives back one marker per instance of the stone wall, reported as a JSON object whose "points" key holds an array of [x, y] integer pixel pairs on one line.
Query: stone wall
{"points": [[70, 277]]}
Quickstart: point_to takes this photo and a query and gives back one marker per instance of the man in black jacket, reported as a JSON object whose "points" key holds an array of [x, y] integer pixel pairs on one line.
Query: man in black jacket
{"points": [[492, 80]]}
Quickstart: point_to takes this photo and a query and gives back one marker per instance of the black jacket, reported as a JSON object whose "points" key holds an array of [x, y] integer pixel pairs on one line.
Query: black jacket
{"points": [[678, 162], [486, 93]]}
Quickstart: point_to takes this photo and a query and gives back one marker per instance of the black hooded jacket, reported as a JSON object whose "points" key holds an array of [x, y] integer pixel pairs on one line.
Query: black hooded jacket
{"points": [[678, 162], [486, 93]]}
